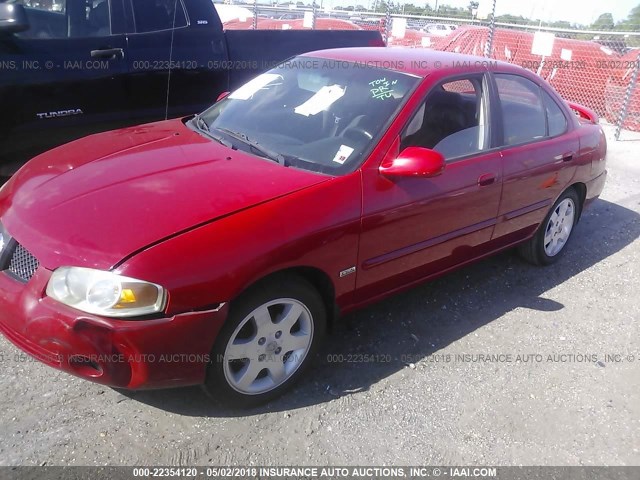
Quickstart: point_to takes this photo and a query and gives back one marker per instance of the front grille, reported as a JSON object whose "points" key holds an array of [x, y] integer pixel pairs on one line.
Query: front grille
{"points": [[23, 265]]}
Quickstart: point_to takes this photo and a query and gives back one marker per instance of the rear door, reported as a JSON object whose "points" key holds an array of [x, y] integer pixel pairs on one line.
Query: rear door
{"points": [[539, 154], [177, 58], [68, 76]]}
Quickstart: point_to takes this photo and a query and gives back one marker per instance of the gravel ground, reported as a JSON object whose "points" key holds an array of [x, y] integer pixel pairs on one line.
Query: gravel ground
{"points": [[562, 402]]}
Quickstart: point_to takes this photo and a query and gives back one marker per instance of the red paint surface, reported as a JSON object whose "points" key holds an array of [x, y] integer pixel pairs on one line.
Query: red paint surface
{"points": [[163, 204]]}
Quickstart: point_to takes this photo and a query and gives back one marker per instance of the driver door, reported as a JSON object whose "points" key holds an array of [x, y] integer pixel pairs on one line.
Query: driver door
{"points": [[69, 76], [416, 227]]}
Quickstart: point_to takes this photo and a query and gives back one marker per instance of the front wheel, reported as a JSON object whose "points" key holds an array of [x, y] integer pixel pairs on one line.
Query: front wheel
{"points": [[554, 232], [272, 333]]}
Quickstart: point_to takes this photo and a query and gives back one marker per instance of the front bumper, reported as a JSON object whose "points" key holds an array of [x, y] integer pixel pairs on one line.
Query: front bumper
{"points": [[133, 354]]}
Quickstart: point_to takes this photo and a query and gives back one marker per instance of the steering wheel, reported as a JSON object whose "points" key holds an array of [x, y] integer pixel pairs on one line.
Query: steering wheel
{"points": [[357, 133]]}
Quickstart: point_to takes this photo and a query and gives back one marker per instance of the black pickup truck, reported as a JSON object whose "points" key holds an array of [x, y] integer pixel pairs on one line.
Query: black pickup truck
{"points": [[69, 68]]}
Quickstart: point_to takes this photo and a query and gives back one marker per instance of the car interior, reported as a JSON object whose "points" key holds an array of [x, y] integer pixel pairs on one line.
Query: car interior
{"points": [[449, 122], [522, 109], [318, 137], [525, 122]]}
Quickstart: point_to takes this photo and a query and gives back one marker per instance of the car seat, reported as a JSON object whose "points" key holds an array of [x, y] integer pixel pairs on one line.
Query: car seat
{"points": [[444, 115]]}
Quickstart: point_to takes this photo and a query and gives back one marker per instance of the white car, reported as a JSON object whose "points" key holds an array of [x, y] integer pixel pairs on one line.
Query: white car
{"points": [[228, 13], [440, 29]]}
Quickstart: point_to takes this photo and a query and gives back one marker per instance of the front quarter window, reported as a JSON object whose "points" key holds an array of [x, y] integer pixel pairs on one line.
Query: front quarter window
{"points": [[320, 115]]}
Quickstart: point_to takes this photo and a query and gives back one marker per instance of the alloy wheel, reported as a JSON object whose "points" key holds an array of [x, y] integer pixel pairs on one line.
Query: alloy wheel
{"points": [[268, 346], [559, 227]]}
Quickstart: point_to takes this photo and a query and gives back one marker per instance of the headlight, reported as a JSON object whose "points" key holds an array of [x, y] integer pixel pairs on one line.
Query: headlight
{"points": [[105, 293]]}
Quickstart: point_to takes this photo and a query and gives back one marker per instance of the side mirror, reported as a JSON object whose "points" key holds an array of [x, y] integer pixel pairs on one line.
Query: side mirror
{"points": [[13, 18], [222, 96], [414, 162]]}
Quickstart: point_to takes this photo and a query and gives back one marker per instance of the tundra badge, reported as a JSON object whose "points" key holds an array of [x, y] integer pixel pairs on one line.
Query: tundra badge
{"points": [[60, 113]]}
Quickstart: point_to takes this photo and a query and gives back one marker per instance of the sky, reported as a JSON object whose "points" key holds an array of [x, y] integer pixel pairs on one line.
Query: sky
{"points": [[576, 11]]}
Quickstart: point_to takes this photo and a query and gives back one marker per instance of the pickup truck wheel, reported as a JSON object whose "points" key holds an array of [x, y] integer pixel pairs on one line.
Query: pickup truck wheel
{"points": [[272, 334], [549, 242]]}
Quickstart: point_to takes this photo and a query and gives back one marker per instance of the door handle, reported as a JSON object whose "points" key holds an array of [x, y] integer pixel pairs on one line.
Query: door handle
{"points": [[565, 157], [486, 179], [110, 53]]}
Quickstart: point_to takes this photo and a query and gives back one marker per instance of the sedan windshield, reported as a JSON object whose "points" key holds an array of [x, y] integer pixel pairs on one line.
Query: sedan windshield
{"points": [[311, 113]]}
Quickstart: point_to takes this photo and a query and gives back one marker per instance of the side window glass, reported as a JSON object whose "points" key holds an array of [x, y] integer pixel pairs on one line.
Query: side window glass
{"points": [[157, 15], [450, 121], [522, 110], [555, 118], [67, 18]]}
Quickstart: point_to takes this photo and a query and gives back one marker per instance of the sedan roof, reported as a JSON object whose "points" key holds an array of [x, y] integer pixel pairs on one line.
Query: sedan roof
{"points": [[414, 61]]}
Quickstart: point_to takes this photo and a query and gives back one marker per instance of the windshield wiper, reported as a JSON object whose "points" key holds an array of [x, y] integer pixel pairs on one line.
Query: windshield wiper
{"points": [[264, 151], [202, 125]]}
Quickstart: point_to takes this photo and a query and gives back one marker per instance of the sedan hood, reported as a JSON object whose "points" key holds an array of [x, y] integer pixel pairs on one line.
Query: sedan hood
{"points": [[97, 200]]}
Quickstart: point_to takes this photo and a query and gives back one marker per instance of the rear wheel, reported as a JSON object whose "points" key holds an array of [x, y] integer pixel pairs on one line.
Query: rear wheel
{"points": [[272, 334], [549, 242]]}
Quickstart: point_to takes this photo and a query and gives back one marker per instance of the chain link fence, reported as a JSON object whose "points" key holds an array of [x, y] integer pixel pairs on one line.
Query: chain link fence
{"points": [[596, 68]]}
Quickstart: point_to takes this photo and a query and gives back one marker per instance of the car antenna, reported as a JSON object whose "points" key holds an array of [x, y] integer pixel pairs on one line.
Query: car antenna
{"points": [[173, 31]]}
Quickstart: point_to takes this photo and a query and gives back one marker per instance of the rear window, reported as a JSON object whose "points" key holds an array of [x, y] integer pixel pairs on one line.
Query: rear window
{"points": [[157, 15], [523, 113], [556, 119]]}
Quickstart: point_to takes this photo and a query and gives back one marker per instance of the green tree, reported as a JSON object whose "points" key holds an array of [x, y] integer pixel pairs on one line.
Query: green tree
{"points": [[380, 6], [449, 11], [603, 22], [632, 22], [411, 9], [634, 16]]}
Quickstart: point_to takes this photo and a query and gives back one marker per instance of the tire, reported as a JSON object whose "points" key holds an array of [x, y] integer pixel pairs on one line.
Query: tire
{"points": [[269, 339], [550, 240]]}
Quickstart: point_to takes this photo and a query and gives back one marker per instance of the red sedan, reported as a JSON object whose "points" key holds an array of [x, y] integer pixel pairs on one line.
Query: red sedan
{"points": [[216, 249]]}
